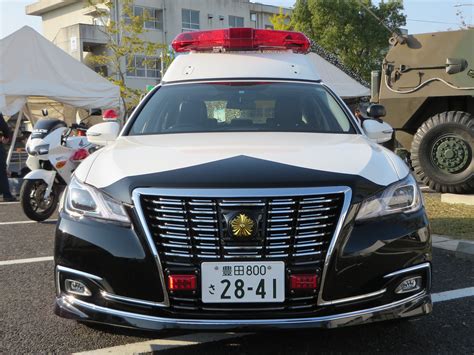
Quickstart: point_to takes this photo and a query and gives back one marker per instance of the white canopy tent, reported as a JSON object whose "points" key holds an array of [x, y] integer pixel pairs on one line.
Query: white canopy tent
{"points": [[30, 65], [342, 84]]}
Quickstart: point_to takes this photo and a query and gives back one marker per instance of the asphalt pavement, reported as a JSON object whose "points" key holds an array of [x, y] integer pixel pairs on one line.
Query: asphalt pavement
{"points": [[28, 324]]}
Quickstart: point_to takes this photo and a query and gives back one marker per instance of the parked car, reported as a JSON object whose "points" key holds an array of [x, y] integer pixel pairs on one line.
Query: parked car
{"points": [[242, 193]]}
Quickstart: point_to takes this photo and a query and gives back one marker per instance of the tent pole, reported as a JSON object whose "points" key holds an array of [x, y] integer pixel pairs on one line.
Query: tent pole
{"points": [[15, 135]]}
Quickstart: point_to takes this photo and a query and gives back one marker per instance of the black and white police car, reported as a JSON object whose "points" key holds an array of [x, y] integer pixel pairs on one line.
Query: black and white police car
{"points": [[242, 193]]}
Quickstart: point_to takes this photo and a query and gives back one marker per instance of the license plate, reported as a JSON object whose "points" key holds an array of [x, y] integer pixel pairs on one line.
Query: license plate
{"points": [[243, 282]]}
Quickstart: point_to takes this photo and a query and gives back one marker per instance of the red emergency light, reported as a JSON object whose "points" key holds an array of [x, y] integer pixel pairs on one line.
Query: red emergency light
{"points": [[241, 39]]}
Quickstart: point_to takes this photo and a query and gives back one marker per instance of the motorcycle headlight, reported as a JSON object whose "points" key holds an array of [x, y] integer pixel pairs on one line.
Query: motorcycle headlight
{"points": [[84, 200], [403, 196]]}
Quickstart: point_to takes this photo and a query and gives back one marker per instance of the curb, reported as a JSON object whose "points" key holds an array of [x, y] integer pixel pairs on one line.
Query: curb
{"points": [[456, 199], [463, 249]]}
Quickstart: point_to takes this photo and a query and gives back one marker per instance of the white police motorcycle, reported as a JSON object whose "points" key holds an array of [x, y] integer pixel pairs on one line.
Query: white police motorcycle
{"points": [[54, 151]]}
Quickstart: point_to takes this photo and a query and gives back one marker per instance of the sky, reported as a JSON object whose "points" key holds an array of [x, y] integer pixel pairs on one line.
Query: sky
{"points": [[422, 15]]}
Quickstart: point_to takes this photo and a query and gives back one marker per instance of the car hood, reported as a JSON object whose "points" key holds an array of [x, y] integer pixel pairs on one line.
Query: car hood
{"points": [[242, 160]]}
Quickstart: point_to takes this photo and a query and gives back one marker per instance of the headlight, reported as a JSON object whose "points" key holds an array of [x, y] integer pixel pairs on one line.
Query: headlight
{"points": [[401, 197], [85, 200]]}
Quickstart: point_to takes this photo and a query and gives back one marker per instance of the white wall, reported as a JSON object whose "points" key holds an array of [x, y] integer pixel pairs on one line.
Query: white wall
{"points": [[215, 7], [65, 16]]}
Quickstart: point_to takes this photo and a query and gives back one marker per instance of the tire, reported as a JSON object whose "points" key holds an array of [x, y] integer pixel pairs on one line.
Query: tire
{"points": [[442, 152], [31, 200]]}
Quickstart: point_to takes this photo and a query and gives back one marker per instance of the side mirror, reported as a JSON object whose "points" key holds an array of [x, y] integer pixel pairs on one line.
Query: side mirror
{"points": [[376, 111], [378, 132], [103, 133], [44, 112]]}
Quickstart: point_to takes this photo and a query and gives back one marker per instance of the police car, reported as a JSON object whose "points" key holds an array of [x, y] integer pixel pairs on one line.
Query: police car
{"points": [[242, 193]]}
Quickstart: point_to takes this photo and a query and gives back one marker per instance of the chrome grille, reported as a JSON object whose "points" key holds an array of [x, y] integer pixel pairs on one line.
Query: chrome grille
{"points": [[188, 231], [295, 229]]}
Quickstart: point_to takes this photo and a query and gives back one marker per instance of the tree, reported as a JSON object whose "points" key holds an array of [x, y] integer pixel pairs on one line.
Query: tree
{"points": [[348, 29], [124, 40], [280, 21]]}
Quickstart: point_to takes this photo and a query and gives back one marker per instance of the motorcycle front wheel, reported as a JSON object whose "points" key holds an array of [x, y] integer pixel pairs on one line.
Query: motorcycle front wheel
{"points": [[34, 204]]}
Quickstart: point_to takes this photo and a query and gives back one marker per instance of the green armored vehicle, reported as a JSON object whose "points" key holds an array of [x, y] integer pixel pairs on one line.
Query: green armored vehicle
{"points": [[427, 87]]}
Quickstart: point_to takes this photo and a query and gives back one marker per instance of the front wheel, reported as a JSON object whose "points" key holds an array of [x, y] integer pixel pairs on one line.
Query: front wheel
{"points": [[34, 204], [442, 152]]}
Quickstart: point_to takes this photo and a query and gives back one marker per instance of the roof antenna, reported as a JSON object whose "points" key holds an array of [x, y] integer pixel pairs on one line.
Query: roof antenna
{"points": [[396, 36]]}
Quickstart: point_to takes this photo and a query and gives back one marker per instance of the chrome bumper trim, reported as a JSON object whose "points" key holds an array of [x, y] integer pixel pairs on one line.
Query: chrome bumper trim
{"points": [[354, 298], [421, 299], [409, 269], [77, 272], [112, 297]]}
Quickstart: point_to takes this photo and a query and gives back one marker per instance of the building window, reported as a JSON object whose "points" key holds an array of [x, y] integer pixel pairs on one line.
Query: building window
{"points": [[236, 21], [154, 17], [190, 20], [268, 27], [143, 67]]}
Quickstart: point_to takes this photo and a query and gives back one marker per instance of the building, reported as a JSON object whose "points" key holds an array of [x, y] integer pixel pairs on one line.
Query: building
{"points": [[72, 26]]}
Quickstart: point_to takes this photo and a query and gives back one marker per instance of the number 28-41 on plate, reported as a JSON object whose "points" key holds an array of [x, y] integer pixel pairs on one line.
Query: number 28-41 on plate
{"points": [[243, 282]]}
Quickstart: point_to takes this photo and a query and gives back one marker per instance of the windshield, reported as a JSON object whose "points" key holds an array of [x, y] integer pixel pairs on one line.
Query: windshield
{"points": [[241, 106]]}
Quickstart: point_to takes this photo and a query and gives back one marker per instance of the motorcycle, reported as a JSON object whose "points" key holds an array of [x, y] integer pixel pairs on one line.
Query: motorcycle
{"points": [[54, 151]]}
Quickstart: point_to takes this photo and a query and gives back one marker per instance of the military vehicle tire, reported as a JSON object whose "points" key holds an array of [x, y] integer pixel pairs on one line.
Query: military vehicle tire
{"points": [[442, 152]]}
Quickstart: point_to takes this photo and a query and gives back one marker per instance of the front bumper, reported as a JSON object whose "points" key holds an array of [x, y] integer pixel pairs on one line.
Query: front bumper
{"points": [[369, 261], [71, 307]]}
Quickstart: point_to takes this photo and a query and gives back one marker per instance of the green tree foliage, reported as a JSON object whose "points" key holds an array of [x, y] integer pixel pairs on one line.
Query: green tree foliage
{"points": [[281, 21], [125, 38], [347, 29]]}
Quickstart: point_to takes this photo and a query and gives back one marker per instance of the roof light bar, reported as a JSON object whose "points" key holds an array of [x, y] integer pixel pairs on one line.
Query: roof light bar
{"points": [[241, 39]]}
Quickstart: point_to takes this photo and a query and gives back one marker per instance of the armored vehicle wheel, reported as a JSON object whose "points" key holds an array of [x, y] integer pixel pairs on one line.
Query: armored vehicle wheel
{"points": [[442, 152]]}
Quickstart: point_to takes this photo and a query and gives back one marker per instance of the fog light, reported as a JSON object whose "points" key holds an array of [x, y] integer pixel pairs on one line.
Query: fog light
{"points": [[76, 288], [303, 282], [409, 285], [182, 282]]}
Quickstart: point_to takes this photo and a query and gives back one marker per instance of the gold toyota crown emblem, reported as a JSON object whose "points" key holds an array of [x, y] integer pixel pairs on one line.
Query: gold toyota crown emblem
{"points": [[242, 225]]}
